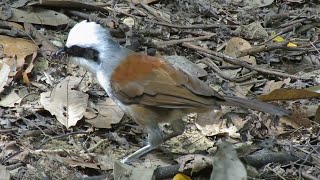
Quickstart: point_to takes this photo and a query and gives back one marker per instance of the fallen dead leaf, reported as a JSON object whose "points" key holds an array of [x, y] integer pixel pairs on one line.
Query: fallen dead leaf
{"points": [[66, 104], [39, 16], [88, 5], [195, 162], [4, 73], [105, 162], [5, 12], [181, 176], [18, 47], [187, 66], [129, 21], [11, 99], [271, 86], [124, 171], [300, 117], [236, 45], [289, 94], [250, 4], [210, 124], [5, 174], [189, 142], [108, 113], [77, 163], [253, 31], [227, 165]]}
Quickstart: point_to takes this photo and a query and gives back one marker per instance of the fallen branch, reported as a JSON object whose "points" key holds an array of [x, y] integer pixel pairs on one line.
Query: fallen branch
{"points": [[178, 41], [239, 62], [198, 26]]}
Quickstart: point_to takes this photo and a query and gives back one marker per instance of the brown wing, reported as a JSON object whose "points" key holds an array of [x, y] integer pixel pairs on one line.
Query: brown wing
{"points": [[147, 80]]}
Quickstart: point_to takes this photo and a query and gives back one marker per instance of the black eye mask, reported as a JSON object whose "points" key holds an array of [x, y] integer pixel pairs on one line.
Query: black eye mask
{"points": [[77, 51]]}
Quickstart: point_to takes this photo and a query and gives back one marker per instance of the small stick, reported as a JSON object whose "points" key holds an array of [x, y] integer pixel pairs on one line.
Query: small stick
{"points": [[198, 26], [239, 62], [178, 41]]}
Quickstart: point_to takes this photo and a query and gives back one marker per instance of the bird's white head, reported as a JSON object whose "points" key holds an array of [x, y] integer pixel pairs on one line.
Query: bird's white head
{"points": [[87, 34], [92, 47]]}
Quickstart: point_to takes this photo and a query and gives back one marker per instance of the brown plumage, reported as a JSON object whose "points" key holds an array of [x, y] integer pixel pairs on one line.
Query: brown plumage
{"points": [[148, 89]]}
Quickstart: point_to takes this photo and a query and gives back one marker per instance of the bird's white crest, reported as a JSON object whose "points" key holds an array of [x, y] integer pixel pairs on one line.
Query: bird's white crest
{"points": [[87, 34]]}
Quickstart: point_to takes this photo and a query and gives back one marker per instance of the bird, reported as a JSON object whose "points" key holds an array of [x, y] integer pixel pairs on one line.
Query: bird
{"points": [[149, 89]]}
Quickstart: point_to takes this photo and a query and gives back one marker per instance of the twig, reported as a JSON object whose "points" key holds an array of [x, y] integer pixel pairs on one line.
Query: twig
{"points": [[283, 31], [239, 62], [178, 41], [252, 82], [47, 47], [4, 131], [314, 47], [198, 26], [155, 13], [11, 30], [298, 21], [213, 66], [61, 136], [309, 176], [276, 173], [91, 149], [107, 22], [262, 48]]}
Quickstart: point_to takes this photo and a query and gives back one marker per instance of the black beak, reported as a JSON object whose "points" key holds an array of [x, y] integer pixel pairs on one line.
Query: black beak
{"points": [[60, 52]]}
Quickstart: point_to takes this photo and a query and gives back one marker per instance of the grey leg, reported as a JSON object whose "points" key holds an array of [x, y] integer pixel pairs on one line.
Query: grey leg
{"points": [[155, 138]]}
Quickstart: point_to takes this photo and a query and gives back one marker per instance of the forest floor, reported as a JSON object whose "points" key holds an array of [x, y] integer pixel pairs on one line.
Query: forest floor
{"points": [[57, 122]]}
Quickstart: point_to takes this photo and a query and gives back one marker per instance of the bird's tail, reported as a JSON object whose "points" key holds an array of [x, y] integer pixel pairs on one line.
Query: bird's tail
{"points": [[255, 105]]}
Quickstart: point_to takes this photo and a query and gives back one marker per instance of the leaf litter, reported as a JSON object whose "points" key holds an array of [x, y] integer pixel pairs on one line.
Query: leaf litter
{"points": [[55, 116]]}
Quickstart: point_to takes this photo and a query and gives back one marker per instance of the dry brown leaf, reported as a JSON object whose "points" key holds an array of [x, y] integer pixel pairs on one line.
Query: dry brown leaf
{"points": [[66, 104], [108, 113], [289, 94], [195, 162], [31, 63], [88, 5], [300, 117], [25, 78], [17, 47], [39, 16], [236, 45]]}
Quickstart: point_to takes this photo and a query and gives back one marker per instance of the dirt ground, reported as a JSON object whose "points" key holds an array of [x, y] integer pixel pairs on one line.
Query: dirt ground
{"points": [[57, 122]]}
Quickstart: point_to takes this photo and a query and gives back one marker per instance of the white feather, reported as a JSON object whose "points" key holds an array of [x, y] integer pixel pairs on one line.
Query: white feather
{"points": [[87, 34], [92, 35]]}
